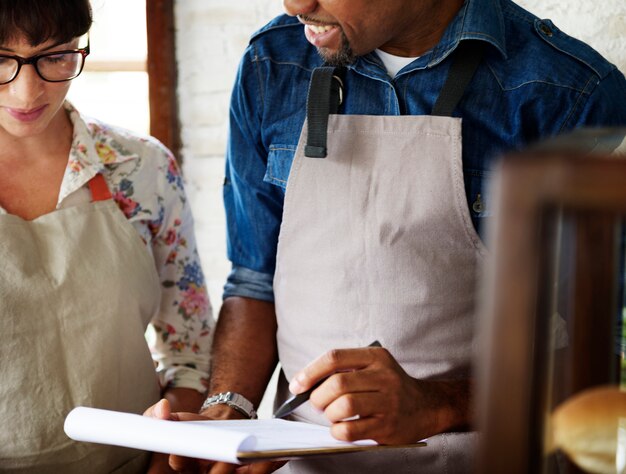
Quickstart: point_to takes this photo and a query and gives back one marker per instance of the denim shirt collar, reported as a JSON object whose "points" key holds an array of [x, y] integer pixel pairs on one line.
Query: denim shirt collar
{"points": [[476, 20]]}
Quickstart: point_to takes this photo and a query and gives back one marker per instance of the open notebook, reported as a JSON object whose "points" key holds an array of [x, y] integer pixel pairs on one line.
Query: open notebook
{"points": [[233, 441]]}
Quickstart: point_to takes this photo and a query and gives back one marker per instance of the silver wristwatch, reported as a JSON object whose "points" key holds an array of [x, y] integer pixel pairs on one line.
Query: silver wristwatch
{"points": [[233, 400]]}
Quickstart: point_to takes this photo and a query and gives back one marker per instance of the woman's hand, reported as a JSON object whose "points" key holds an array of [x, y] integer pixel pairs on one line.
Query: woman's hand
{"points": [[159, 462], [180, 400]]}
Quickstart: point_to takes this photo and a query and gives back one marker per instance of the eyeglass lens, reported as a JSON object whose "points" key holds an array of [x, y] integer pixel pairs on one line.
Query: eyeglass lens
{"points": [[53, 67]]}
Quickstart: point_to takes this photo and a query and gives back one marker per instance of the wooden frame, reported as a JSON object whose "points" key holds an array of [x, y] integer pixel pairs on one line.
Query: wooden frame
{"points": [[516, 395], [162, 73]]}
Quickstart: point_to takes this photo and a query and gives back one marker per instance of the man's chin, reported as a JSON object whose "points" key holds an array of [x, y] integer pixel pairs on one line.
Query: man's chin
{"points": [[343, 57]]}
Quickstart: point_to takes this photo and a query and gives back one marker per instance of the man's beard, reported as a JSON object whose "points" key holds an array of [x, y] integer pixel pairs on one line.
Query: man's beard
{"points": [[343, 57]]}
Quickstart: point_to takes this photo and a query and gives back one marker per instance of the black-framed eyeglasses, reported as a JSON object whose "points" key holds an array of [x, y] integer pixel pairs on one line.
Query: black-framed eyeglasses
{"points": [[55, 66]]}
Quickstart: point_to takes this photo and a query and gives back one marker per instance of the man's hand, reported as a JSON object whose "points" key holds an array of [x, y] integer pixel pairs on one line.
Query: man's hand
{"points": [[369, 396], [162, 463]]}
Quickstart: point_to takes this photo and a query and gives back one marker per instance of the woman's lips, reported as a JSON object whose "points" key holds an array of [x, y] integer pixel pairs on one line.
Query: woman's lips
{"points": [[29, 115], [323, 36]]}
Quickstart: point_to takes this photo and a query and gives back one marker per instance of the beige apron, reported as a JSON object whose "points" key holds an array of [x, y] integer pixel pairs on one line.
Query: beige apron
{"points": [[377, 243], [77, 290]]}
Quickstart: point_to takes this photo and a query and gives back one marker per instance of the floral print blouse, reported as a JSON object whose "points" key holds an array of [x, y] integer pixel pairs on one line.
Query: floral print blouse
{"points": [[146, 184]]}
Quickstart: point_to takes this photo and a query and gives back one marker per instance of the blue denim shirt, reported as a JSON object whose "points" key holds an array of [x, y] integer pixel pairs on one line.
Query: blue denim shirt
{"points": [[534, 82]]}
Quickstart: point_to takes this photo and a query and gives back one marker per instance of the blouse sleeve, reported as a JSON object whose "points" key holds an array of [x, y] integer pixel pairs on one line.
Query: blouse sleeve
{"points": [[184, 324]]}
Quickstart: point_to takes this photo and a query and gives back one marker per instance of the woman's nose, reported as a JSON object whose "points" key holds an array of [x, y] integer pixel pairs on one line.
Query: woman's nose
{"points": [[27, 86], [299, 7]]}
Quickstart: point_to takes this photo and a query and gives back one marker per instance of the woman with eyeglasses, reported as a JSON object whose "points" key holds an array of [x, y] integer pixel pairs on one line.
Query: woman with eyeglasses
{"points": [[96, 242]]}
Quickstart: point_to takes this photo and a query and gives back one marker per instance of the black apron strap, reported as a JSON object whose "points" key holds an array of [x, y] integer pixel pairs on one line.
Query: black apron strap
{"points": [[324, 97], [467, 58]]}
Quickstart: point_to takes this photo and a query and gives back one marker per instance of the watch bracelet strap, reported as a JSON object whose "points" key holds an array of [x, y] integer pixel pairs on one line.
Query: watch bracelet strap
{"points": [[226, 398]]}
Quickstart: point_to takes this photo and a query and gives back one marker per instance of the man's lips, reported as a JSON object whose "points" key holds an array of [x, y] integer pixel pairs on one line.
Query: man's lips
{"points": [[322, 36], [26, 115]]}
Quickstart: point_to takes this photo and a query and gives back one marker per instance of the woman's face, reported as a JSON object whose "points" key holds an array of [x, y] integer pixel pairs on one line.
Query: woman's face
{"points": [[30, 106]]}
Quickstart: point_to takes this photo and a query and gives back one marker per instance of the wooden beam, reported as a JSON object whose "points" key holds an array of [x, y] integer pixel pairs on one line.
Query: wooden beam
{"points": [[162, 73]]}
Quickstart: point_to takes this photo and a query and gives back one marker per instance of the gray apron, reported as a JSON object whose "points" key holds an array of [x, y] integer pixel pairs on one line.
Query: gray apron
{"points": [[377, 243], [77, 290]]}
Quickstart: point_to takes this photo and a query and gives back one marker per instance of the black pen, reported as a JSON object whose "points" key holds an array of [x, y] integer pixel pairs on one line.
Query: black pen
{"points": [[297, 400]]}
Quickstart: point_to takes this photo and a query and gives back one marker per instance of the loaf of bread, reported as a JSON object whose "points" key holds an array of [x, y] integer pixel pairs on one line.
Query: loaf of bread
{"points": [[587, 428]]}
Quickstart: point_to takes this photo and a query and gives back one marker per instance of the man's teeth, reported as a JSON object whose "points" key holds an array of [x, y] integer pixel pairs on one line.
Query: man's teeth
{"points": [[319, 29]]}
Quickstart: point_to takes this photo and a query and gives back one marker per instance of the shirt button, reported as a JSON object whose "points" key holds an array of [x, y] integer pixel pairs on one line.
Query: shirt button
{"points": [[478, 205], [545, 29]]}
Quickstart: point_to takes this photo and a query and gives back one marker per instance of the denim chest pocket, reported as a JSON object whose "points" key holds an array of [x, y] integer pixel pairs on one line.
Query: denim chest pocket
{"points": [[477, 185], [279, 162]]}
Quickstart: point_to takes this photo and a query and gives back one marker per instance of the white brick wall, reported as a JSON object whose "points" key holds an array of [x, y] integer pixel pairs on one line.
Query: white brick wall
{"points": [[212, 34]]}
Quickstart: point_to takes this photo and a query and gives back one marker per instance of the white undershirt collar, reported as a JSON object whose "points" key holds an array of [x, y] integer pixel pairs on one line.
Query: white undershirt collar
{"points": [[392, 63]]}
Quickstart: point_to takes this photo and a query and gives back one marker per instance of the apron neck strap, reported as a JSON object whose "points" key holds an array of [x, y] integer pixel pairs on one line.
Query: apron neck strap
{"points": [[324, 97], [326, 94], [467, 58], [99, 188]]}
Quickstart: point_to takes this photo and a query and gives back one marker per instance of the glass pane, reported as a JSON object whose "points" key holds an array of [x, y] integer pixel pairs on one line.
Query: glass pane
{"points": [[113, 86], [588, 340], [117, 98]]}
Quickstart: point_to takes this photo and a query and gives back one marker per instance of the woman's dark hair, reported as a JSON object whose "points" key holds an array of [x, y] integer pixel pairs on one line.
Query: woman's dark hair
{"points": [[42, 20]]}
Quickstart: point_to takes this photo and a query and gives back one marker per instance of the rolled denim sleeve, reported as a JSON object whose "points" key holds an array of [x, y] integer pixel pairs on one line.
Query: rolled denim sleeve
{"points": [[249, 284], [253, 206]]}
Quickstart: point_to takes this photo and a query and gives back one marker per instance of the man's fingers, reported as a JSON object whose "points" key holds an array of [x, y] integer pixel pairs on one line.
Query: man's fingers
{"points": [[222, 468], [159, 464], [184, 464], [344, 383], [362, 405], [260, 467], [356, 429], [337, 360], [179, 463]]}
